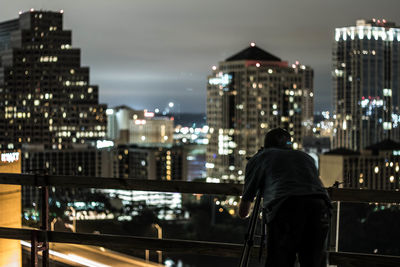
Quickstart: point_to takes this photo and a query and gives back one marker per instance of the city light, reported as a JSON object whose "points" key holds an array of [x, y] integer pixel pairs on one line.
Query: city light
{"points": [[104, 143], [10, 157], [63, 129]]}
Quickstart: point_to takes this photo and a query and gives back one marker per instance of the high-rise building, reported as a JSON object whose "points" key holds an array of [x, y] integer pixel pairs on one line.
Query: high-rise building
{"points": [[118, 121], [366, 80], [82, 161], [248, 94], [153, 163], [154, 131], [141, 127], [45, 94]]}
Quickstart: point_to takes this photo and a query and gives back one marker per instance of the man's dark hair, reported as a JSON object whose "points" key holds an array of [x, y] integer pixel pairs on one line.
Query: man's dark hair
{"points": [[278, 137]]}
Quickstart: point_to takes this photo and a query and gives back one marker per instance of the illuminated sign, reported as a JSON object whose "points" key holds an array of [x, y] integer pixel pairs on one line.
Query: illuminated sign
{"points": [[140, 122], [373, 102], [10, 206], [387, 92], [148, 114], [104, 143], [387, 125], [221, 79], [10, 157]]}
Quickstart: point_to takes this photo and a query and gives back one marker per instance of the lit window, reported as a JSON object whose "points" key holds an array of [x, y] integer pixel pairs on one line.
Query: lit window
{"points": [[376, 169]]}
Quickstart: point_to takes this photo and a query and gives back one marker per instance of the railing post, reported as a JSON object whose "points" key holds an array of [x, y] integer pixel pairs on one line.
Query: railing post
{"points": [[34, 249], [45, 224], [337, 226]]}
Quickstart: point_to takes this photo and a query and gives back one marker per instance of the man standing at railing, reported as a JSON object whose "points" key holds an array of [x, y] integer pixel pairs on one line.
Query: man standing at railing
{"points": [[296, 205]]}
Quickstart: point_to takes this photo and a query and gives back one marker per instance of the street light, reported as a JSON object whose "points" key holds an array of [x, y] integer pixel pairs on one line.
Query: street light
{"points": [[73, 218], [52, 229], [159, 236], [52, 224]]}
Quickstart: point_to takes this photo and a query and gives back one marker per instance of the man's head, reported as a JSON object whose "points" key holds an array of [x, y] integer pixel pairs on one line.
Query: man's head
{"points": [[278, 138]]}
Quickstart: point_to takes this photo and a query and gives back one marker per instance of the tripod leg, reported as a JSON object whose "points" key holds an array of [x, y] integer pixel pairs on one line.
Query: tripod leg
{"points": [[249, 240]]}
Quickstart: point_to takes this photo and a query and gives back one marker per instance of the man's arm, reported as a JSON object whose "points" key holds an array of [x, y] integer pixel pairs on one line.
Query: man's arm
{"points": [[250, 187], [244, 208]]}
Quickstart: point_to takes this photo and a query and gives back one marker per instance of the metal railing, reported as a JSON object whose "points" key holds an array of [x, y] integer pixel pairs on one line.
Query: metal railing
{"points": [[40, 238]]}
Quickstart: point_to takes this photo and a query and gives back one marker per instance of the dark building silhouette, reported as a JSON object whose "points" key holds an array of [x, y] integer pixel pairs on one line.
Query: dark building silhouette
{"points": [[375, 167], [45, 94]]}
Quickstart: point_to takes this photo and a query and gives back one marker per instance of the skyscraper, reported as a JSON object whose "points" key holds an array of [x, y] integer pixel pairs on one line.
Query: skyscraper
{"points": [[248, 94], [45, 93], [366, 80]]}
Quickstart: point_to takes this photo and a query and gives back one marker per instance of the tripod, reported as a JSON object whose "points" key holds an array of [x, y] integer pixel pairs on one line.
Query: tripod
{"points": [[249, 238]]}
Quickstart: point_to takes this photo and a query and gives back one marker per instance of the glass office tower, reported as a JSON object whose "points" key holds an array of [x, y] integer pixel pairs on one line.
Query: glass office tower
{"points": [[366, 83]]}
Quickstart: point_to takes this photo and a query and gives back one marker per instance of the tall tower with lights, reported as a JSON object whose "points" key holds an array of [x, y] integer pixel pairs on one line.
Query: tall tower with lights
{"points": [[366, 80], [45, 94], [248, 94]]}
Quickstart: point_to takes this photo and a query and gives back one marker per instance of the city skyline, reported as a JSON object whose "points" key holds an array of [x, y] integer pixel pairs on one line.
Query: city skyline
{"points": [[161, 52]]}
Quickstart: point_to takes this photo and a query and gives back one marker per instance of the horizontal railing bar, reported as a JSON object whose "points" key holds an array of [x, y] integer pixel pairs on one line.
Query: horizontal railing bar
{"points": [[183, 246], [122, 183], [364, 260], [364, 195], [131, 242], [337, 194]]}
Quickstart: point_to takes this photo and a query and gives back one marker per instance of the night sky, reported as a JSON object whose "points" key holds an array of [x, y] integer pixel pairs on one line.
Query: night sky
{"points": [[147, 53]]}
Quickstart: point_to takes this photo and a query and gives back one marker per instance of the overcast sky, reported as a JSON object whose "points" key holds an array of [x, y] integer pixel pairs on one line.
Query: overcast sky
{"points": [[146, 53]]}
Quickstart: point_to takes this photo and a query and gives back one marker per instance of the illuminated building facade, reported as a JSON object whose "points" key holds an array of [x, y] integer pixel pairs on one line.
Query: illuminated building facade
{"points": [[376, 167], [247, 95], [153, 163], [82, 161], [85, 160], [123, 161], [141, 127], [154, 131], [118, 121], [168, 206], [10, 206], [45, 94], [366, 78]]}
